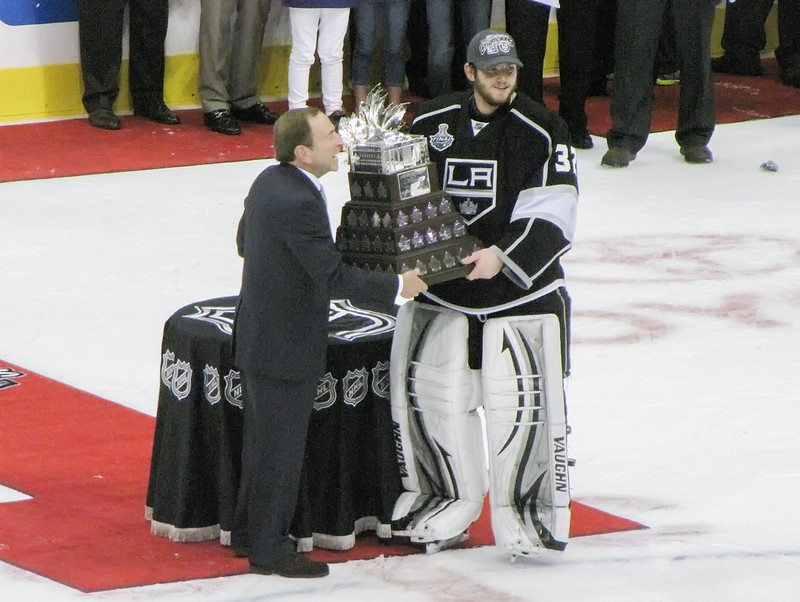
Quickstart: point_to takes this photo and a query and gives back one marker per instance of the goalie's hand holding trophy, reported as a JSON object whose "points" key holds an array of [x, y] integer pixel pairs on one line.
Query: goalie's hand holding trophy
{"points": [[398, 220]]}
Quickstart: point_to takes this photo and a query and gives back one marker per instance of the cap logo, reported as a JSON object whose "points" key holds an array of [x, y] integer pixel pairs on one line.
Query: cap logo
{"points": [[496, 43]]}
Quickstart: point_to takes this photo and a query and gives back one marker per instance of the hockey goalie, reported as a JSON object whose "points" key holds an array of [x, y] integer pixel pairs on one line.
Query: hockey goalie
{"points": [[495, 342]]}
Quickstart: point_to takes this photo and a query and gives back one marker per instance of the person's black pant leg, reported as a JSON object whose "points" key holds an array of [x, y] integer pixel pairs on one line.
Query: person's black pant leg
{"points": [[276, 414], [147, 34], [788, 51], [576, 35], [635, 47], [100, 24], [743, 34], [527, 22], [696, 105]]}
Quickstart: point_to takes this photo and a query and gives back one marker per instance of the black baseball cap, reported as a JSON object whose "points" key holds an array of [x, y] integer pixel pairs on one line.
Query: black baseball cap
{"points": [[490, 47]]}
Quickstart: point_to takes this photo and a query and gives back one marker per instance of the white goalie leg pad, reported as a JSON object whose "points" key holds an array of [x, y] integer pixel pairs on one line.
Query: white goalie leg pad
{"points": [[527, 433], [438, 434]]}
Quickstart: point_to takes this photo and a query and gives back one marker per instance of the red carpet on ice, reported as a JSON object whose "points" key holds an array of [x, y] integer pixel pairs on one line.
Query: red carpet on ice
{"points": [[85, 461]]}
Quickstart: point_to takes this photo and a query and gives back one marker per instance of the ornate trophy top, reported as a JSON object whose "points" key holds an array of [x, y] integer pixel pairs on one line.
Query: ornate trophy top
{"points": [[373, 138]]}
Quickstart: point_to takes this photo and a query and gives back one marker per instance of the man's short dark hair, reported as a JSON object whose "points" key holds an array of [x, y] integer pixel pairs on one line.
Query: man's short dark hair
{"points": [[292, 130]]}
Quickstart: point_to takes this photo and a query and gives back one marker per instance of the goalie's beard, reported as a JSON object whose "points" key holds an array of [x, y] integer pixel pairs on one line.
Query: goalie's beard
{"points": [[494, 92]]}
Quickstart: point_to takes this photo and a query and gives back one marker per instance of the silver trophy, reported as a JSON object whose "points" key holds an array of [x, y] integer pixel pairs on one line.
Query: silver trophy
{"points": [[398, 218]]}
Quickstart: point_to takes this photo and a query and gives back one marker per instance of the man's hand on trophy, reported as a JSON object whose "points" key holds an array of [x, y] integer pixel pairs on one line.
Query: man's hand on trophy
{"points": [[486, 264], [413, 285]]}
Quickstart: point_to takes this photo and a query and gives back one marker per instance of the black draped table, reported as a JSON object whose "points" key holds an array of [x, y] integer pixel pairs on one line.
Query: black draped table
{"points": [[351, 479]]}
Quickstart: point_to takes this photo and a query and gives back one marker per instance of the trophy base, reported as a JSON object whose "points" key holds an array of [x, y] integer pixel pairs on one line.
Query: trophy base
{"points": [[444, 276], [436, 264]]}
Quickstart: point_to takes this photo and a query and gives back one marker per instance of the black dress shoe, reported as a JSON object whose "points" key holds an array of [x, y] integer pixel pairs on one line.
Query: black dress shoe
{"points": [[696, 153], [731, 65], [104, 119], [790, 76], [257, 113], [617, 156], [160, 113], [293, 565], [222, 122], [582, 140]]}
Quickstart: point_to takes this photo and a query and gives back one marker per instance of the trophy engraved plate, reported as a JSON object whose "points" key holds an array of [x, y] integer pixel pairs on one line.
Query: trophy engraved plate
{"points": [[398, 218], [414, 182], [395, 187]]}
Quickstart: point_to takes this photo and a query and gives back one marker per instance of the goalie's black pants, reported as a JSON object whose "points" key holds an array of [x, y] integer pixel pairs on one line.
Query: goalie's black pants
{"points": [[558, 303]]}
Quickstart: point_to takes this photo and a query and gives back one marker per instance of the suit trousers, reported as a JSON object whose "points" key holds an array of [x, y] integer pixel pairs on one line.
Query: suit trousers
{"points": [[230, 55], [743, 37], [100, 27], [788, 51], [329, 25], [527, 22], [636, 44], [276, 419], [743, 34]]}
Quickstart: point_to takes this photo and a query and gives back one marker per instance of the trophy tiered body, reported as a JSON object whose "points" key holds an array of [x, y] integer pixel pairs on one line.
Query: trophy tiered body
{"points": [[398, 219]]}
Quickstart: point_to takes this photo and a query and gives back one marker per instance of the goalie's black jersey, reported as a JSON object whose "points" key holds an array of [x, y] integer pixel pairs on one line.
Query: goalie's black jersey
{"points": [[514, 180]]}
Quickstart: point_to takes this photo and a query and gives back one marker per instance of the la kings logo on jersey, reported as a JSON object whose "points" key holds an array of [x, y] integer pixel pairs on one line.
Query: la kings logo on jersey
{"points": [[472, 185]]}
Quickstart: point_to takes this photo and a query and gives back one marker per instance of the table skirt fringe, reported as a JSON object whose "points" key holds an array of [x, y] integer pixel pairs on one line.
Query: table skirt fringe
{"points": [[187, 535]]}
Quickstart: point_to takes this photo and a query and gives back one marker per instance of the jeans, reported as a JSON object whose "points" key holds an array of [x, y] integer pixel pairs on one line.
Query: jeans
{"points": [[367, 25], [474, 16]]}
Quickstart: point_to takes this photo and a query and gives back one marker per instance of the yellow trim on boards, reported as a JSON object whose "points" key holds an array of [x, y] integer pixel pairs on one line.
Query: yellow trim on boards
{"points": [[54, 91]]}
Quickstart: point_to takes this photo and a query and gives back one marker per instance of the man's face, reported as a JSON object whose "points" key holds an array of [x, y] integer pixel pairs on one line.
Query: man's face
{"points": [[325, 146], [494, 86]]}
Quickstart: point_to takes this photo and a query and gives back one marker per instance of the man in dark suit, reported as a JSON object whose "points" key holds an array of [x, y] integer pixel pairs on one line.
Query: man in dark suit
{"points": [[292, 269]]}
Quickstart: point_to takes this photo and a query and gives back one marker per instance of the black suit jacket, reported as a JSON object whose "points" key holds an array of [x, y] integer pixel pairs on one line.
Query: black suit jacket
{"points": [[292, 269]]}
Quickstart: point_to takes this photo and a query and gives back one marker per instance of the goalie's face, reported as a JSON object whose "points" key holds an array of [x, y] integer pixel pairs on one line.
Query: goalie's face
{"points": [[493, 87]]}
